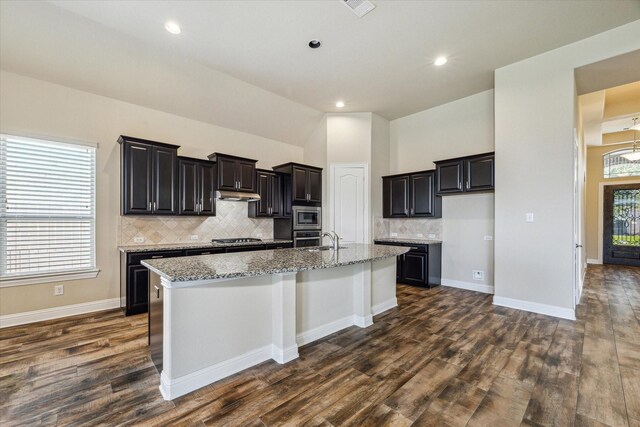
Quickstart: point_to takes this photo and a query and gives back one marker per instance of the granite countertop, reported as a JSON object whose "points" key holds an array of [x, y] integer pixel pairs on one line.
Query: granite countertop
{"points": [[257, 263], [409, 241], [199, 245]]}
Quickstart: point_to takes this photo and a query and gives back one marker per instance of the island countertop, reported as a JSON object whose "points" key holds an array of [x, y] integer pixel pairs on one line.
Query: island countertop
{"points": [[407, 241], [199, 245], [247, 264]]}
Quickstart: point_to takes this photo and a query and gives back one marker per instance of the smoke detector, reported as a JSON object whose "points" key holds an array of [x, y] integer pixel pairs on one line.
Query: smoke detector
{"points": [[359, 7]]}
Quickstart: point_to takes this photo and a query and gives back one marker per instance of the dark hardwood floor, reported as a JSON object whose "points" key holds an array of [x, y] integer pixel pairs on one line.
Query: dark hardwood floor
{"points": [[444, 357]]}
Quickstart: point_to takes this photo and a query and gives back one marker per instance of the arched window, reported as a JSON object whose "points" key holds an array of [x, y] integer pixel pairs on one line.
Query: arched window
{"points": [[615, 165]]}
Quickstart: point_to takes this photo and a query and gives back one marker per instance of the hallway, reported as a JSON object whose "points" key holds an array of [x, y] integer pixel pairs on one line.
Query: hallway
{"points": [[444, 357]]}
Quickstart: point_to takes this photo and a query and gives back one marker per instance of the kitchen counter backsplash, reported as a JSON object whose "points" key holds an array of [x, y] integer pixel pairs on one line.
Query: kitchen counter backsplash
{"points": [[231, 220], [408, 228]]}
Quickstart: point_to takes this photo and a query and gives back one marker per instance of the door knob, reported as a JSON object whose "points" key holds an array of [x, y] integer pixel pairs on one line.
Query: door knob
{"points": [[578, 246]]}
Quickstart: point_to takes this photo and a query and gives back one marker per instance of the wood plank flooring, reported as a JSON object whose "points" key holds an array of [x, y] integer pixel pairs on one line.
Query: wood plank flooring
{"points": [[444, 357]]}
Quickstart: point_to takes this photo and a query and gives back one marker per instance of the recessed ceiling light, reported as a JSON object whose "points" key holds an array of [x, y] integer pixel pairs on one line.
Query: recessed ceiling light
{"points": [[440, 60], [315, 43], [172, 27], [340, 104]]}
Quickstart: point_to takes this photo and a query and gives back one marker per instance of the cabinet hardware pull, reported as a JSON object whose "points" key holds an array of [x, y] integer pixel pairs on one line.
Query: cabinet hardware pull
{"points": [[467, 185], [205, 253], [149, 205], [157, 291], [154, 206], [157, 256]]}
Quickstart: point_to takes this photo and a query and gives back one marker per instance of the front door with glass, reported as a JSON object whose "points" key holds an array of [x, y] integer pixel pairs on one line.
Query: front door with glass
{"points": [[621, 239]]}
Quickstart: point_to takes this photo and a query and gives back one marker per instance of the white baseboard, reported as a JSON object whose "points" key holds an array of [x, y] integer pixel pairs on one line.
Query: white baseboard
{"points": [[384, 306], [363, 321], [478, 287], [283, 356], [57, 312], [171, 389], [594, 261], [324, 330], [534, 307]]}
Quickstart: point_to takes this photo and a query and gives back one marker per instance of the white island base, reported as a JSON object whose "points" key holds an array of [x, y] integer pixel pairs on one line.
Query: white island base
{"points": [[212, 329]]}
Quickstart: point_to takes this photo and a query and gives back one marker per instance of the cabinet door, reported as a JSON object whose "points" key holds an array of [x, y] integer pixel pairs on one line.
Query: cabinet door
{"points": [[276, 195], [137, 178], [399, 262], [399, 197], [449, 177], [246, 172], [264, 190], [287, 194], [227, 179], [207, 187], [164, 181], [189, 194], [479, 173], [299, 181], [315, 186], [137, 289], [422, 195], [414, 269]]}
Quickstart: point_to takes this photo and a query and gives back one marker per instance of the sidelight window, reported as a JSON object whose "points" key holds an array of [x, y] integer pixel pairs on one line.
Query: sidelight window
{"points": [[47, 210], [615, 165]]}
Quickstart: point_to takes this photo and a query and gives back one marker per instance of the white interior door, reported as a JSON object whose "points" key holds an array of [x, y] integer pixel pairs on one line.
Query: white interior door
{"points": [[577, 253], [349, 198]]}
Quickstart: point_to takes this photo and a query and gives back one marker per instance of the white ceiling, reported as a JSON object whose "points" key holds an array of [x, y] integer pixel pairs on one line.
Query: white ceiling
{"points": [[380, 63]]}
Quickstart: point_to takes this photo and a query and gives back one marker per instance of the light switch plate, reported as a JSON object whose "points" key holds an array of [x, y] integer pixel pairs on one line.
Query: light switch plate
{"points": [[529, 217], [58, 290], [431, 236], [138, 239], [394, 234], [194, 237], [420, 235], [259, 235], [488, 237]]}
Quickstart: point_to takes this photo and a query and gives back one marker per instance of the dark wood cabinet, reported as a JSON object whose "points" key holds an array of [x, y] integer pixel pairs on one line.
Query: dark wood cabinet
{"points": [[421, 266], [235, 173], [465, 174], [306, 182], [269, 185], [410, 195], [196, 186], [149, 177]]}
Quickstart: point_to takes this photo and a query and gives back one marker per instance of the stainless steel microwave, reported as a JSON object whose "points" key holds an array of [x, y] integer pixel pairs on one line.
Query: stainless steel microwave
{"points": [[307, 218]]}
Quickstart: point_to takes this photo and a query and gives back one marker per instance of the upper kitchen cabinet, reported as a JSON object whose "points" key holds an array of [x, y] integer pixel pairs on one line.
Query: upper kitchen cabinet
{"points": [[149, 177], [410, 196], [196, 186], [465, 174], [306, 182], [270, 187], [235, 173]]}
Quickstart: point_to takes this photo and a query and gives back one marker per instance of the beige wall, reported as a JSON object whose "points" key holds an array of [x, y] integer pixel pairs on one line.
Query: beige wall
{"points": [[459, 128], [594, 198], [38, 108], [534, 124]]}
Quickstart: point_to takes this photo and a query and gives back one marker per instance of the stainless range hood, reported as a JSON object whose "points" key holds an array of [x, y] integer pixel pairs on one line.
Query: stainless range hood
{"points": [[237, 196]]}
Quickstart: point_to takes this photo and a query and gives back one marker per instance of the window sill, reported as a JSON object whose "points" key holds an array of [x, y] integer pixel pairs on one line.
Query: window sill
{"points": [[34, 279]]}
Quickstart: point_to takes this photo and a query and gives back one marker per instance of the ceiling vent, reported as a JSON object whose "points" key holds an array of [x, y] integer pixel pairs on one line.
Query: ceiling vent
{"points": [[359, 7]]}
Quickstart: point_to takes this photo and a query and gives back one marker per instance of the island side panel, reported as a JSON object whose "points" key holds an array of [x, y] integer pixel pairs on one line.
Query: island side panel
{"points": [[324, 302], [383, 285], [283, 323], [218, 327]]}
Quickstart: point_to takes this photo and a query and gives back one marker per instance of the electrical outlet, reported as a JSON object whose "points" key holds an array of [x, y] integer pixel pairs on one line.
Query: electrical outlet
{"points": [[194, 237], [138, 239], [488, 237], [259, 235], [478, 275], [431, 236], [420, 235], [58, 290], [394, 234], [529, 217]]}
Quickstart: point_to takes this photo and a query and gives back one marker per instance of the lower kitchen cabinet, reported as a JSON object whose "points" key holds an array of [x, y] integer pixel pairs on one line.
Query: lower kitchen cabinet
{"points": [[421, 266]]}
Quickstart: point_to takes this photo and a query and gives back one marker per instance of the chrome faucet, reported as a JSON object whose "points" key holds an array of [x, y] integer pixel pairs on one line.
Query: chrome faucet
{"points": [[335, 239]]}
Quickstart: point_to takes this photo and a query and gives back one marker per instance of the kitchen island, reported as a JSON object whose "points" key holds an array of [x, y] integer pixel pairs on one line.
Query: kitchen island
{"points": [[214, 315]]}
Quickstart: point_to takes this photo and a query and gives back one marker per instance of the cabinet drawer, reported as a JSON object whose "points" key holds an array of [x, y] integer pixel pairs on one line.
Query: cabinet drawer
{"points": [[135, 259], [204, 251], [244, 248], [279, 246]]}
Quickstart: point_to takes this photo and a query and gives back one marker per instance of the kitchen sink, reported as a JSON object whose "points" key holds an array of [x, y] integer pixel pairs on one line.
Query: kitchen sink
{"points": [[323, 248]]}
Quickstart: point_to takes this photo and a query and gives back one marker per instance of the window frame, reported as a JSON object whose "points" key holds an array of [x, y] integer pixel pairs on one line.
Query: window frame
{"points": [[617, 152], [31, 278]]}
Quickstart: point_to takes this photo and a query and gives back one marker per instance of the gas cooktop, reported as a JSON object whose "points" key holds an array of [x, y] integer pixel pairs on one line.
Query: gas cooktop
{"points": [[238, 240]]}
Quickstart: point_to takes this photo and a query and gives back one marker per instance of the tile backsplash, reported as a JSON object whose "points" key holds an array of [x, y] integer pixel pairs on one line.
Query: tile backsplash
{"points": [[407, 228], [231, 220]]}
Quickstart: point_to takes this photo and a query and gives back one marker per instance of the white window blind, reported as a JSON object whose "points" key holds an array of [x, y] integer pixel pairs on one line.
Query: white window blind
{"points": [[47, 207]]}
